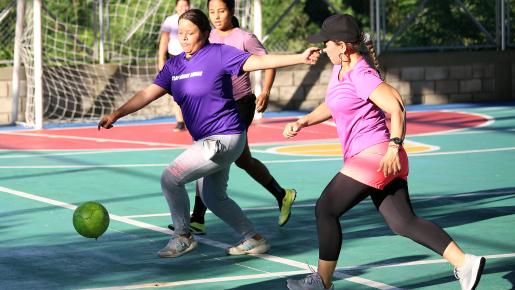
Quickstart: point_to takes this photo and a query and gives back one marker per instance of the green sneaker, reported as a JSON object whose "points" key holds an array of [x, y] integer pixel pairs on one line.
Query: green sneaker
{"points": [[195, 228], [288, 199]]}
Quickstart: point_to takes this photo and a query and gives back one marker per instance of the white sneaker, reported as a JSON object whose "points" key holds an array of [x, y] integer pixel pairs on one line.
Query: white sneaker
{"points": [[470, 272], [178, 246], [312, 281], [249, 246]]}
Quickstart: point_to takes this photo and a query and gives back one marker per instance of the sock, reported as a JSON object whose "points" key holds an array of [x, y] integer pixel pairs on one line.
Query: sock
{"points": [[276, 190], [199, 211]]}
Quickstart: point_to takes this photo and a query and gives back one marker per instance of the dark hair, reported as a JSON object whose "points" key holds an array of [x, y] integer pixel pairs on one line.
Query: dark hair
{"points": [[229, 3], [198, 18], [234, 21], [367, 41], [177, 1]]}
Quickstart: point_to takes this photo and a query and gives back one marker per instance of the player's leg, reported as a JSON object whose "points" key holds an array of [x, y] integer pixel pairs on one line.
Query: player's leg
{"points": [[394, 205], [202, 158], [340, 195], [257, 170]]}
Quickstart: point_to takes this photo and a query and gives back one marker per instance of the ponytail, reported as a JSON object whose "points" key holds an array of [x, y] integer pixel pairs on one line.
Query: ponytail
{"points": [[234, 22], [365, 39]]}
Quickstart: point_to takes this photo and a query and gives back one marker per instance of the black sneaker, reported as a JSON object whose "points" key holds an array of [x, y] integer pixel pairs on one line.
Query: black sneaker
{"points": [[195, 228]]}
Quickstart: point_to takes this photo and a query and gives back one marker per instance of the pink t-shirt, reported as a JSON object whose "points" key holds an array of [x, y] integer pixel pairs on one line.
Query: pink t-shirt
{"points": [[245, 41], [359, 122]]}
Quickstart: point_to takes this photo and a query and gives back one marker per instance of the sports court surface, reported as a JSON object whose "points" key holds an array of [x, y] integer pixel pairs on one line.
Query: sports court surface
{"points": [[462, 165]]}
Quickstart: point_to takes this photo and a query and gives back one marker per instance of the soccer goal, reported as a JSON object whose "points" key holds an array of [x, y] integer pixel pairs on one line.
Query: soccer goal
{"points": [[83, 59]]}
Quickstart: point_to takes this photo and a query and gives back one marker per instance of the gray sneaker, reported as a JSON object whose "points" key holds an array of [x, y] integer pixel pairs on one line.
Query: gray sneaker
{"points": [[311, 282], [470, 272], [249, 246], [178, 246]]}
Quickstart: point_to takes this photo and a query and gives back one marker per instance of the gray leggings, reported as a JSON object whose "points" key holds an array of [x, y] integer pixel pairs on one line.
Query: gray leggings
{"points": [[208, 161]]}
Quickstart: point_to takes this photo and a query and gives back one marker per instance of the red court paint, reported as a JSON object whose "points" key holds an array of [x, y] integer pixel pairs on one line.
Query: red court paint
{"points": [[162, 136]]}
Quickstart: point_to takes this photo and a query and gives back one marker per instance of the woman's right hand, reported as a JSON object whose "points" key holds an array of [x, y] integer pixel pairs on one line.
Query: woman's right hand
{"points": [[311, 55], [291, 129], [107, 121]]}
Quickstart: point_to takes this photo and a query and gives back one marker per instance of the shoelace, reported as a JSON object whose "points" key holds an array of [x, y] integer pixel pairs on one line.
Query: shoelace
{"points": [[312, 278], [456, 273]]}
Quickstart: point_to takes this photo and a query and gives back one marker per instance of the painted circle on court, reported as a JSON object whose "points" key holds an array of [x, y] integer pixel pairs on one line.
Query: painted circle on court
{"points": [[335, 149]]}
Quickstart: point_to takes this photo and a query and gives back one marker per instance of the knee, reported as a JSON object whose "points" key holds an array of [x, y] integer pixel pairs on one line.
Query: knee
{"points": [[402, 227], [322, 209], [169, 179]]}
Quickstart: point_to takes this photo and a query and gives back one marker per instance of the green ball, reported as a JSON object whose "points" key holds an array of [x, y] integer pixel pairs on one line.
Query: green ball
{"points": [[90, 219]]}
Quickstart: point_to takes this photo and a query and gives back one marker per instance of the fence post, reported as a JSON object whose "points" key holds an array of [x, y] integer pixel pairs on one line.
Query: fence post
{"points": [[20, 13]]}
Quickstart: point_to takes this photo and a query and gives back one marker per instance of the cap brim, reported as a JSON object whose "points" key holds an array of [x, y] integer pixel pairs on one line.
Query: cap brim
{"points": [[317, 37]]}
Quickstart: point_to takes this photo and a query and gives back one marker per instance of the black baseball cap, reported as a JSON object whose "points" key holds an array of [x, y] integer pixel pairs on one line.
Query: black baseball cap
{"points": [[342, 27]]}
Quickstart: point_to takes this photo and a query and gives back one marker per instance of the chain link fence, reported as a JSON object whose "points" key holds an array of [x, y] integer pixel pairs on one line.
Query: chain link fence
{"points": [[399, 25], [7, 29]]}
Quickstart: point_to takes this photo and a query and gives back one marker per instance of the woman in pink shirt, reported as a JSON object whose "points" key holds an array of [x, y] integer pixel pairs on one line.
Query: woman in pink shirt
{"points": [[221, 14], [375, 162]]}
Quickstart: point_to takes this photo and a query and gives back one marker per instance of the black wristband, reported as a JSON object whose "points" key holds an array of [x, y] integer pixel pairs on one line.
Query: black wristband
{"points": [[396, 140]]}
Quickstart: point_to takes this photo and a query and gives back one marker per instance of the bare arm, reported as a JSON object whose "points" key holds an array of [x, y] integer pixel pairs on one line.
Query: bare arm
{"points": [[262, 99], [318, 115], [138, 101], [259, 62], [163, 50], [389, 100]]}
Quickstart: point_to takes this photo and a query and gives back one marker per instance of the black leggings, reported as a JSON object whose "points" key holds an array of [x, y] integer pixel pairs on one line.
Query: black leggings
{"points": [[343, 193]]}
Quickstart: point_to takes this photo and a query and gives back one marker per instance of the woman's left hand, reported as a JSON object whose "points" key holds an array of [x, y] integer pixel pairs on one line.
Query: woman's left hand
{"points": [[390, 164], [311, 55]]}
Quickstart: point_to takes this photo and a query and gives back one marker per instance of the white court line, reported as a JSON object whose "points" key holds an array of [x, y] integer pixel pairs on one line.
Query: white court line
{"points": [[213, 243], [103, 140], [263, 161], [82, 152], [284, 274], [413, 198]]}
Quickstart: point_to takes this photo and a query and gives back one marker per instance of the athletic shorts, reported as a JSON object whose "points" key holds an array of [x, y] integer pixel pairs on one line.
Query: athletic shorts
{"points": [[363, 166], [247, 107]]}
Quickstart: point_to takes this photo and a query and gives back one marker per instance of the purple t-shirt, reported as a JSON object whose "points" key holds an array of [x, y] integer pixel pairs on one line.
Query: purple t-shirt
{"points": [[202, 87], [245, 41], [359, 122]]}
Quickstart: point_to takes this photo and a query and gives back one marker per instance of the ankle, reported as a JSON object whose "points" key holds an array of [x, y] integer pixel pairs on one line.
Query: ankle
{"points": [[187, 236]]}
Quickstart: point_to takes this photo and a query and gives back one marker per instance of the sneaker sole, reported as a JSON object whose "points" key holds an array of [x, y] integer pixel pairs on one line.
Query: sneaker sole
{"points": [[291, 205], [479, 272], [257, 250], [192, 247]]}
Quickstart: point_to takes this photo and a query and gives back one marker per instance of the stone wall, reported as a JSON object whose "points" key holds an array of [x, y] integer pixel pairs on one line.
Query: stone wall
{"points": [[421, 78]]}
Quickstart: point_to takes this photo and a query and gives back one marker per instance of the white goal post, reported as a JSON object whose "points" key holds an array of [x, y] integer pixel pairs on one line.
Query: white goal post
{"points": [[83, 59]]}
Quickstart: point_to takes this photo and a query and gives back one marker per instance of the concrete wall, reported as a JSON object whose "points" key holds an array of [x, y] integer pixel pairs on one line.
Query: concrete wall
{"points": [[421, 78]]}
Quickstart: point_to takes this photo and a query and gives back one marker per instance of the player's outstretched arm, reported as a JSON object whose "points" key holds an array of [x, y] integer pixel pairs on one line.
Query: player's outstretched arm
{"points": [[137, 102], [318, 115], [259, 62]]}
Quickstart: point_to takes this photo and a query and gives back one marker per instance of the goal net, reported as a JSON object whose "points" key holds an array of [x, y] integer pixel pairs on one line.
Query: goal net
{"points": [[96, 56]]}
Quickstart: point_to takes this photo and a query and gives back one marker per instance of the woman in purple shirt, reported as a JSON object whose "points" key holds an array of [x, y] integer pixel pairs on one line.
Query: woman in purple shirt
{"points": [[200, 81], [375, 163], [221, 14]]}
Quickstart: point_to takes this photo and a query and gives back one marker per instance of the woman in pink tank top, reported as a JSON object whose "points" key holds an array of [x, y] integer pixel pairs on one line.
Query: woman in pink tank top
{"points": [[375, 162]]}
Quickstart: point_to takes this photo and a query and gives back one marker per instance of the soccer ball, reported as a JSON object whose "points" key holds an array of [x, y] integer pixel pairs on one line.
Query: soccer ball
{"points": [[90, 219]]}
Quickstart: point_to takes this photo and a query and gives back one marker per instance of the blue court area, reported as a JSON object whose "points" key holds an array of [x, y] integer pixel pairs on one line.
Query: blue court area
{"points": [[465, 183]]}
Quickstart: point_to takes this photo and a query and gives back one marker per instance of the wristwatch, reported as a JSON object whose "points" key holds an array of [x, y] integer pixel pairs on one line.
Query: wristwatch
{"points": [[397, 140]]}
